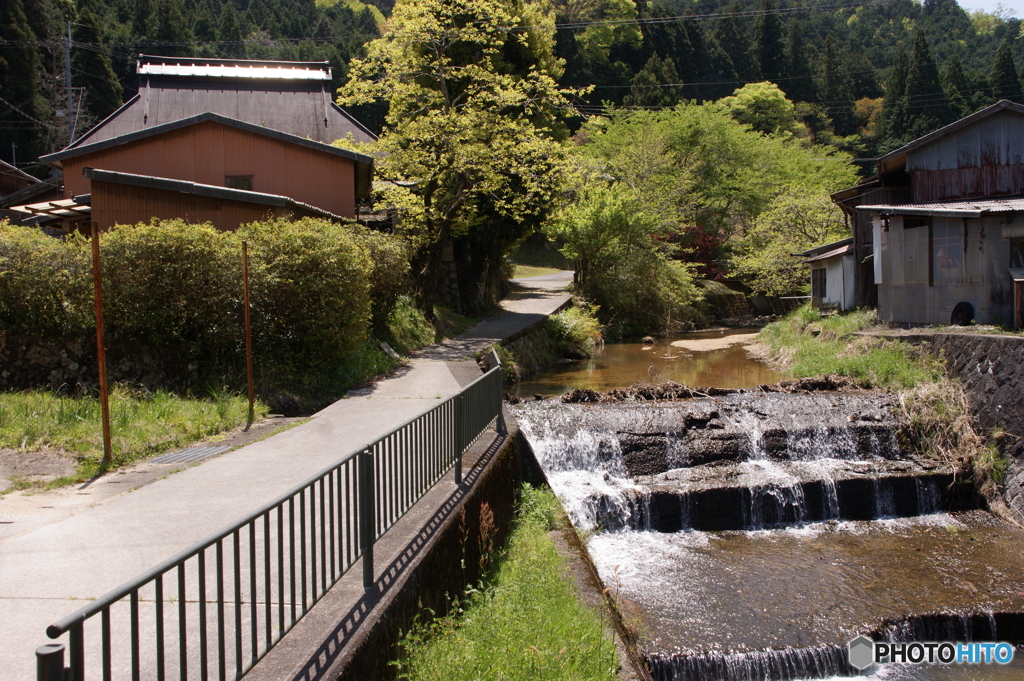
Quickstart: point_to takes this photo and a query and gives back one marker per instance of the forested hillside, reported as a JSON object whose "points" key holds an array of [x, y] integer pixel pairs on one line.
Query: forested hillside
{"points": [[865, 76]]}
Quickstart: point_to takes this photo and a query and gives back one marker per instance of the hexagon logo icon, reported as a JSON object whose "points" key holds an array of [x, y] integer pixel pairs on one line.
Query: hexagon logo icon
{"points": [[862, 652]]}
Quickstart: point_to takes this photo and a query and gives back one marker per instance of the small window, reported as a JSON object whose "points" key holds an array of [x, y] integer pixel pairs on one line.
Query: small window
{"points": [[818, 284], [238, 182], [1017, 253], [910, 223]]}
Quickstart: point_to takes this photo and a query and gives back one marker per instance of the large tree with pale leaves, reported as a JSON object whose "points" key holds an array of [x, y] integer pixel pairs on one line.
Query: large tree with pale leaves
{"points": [[472, 141]]}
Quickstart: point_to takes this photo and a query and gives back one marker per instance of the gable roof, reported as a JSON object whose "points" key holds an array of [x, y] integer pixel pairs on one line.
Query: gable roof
{"points": [[291, 97], [897, 158]]}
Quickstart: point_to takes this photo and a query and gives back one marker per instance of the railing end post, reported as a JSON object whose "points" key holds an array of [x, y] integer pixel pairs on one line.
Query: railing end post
{"points": [[50, 662]]}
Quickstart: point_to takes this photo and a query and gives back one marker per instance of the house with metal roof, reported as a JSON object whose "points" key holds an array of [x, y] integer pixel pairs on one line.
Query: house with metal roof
{"points": [[234, 132], [291, 97], [939, 231], [832, 274]]}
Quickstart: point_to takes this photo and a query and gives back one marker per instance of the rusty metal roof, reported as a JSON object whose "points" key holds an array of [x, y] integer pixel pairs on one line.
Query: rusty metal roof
{"points": [[825, 247], [196, 67], [834, 253], [963, 209]]}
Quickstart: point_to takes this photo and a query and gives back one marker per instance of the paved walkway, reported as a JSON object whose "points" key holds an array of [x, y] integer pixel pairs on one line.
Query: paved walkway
{"points": [[59, 549]]}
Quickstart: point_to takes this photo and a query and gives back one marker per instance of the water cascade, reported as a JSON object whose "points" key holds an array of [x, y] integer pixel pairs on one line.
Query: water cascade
{"points": [[751, 536]]}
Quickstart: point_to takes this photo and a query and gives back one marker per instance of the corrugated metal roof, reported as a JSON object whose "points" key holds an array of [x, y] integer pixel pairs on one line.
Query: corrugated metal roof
{"points": [[835, 252], [825, 247], [78, 207], [208, 190], [231, 68], [967, 209]]}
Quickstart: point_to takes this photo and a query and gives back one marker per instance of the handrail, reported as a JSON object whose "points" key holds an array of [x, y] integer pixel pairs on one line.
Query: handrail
{"points": [[346, 506]]}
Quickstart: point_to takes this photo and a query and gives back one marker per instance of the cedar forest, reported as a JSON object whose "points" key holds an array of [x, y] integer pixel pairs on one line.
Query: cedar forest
{"points": [[695, 138]]}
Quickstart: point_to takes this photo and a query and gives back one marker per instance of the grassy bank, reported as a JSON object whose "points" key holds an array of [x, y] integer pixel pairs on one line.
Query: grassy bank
{"points": [[935, 418], [141, 424], [526, 622]]}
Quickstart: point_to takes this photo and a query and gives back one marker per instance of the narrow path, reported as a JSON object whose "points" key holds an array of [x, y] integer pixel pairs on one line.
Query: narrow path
{"points": [[59, 549]]}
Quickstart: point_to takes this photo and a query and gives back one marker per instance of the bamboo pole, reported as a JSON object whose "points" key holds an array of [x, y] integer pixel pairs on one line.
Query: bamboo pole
{"points": [[248, 331], [101, 343]]}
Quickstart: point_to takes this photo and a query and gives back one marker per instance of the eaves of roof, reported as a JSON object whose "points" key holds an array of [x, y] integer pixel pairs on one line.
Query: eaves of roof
{"points": [[71, 152]]}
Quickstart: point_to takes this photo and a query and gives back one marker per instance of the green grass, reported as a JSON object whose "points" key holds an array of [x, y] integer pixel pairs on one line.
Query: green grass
{"points": [[522, 271], [408, 329], [526, 623], [812, 344], [140, 424]]}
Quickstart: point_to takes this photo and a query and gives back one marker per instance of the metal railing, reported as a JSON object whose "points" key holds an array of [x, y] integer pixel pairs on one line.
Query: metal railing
{"points": [[215, 609]]}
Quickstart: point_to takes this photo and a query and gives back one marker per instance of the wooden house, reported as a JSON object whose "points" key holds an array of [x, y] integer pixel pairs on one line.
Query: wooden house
{"points": [[832, 274], [260, 129], [939, 231]]}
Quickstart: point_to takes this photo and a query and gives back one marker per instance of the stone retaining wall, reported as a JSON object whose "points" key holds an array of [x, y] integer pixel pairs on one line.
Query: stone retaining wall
{"points": [[991, 368]]}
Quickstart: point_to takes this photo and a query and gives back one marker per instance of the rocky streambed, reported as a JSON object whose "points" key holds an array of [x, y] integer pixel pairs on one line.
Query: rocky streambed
{"points": [[752, 534]]}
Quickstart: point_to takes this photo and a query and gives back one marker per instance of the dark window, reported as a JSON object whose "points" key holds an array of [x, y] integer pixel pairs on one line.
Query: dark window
{"points": [[1017, 253], [910, 223], [238, 182], [818, 284]]}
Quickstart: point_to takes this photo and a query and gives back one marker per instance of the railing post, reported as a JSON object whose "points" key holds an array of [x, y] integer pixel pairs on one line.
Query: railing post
{"points": [[460, 420], [501, 426], [366, 515], [50, 662]]}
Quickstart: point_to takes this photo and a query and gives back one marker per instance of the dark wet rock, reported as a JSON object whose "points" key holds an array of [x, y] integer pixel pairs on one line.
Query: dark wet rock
{"points": [[643, 454], [670, 391], [581, 395]]}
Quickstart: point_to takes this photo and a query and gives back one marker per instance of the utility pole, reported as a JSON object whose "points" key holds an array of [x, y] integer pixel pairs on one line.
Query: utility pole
{"points": [[67, 84]]}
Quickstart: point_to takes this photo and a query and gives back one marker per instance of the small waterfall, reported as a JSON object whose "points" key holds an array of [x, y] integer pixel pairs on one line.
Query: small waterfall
{"points": [[775, 505], [929, 496], [885, 505], [779, 665], [830, 499], [941, 627]]}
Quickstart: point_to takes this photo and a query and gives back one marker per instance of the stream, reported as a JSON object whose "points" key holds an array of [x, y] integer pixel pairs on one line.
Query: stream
{"points": [[751, 536]]}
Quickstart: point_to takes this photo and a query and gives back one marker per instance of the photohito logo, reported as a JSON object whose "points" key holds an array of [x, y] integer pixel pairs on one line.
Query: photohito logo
{"points": [[865, 652]]}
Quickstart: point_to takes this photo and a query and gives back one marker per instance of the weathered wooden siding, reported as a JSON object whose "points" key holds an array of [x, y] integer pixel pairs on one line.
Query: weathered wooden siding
{"points": [[125, 204], [980, 160], [206, 152]]}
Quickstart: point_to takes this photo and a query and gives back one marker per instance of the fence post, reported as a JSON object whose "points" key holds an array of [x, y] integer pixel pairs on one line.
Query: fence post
{"points": [[460, 421], [50, 662], [366, 515]]}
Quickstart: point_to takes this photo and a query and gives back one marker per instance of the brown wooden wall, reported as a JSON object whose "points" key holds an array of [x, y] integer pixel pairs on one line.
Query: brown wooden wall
{"points": [[125, 204], [968, 183], [206, 152]]}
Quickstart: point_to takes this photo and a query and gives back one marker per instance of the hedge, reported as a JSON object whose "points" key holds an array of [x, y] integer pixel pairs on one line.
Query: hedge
{"points": [[173, 300]]}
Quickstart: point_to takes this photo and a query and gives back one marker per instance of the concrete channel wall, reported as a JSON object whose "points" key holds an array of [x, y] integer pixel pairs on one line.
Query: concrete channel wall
{"points": [[991, 368]]}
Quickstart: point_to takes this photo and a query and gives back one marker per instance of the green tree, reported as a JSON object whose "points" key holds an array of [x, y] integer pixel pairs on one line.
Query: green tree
{"points": [[799, 84], [835, 88], [657, 84], [794, 222], [103, 90], [732, 34], [927, 107], [173, 34], [470, 133], [764, 107], [1003, 77], [893, 119], [956, 85], [23, 112], [230, 34], [770, 45]]}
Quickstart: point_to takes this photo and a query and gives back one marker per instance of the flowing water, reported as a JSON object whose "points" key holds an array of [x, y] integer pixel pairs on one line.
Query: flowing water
{"points": [[618, 365], [751, 536]]}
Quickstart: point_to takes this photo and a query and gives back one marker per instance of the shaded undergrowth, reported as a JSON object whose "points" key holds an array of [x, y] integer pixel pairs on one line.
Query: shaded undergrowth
{"points": [[526, 621]]}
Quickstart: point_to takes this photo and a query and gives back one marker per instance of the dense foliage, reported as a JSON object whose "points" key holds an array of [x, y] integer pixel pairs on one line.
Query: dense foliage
{"points": [[173, 291], [929, 60]]}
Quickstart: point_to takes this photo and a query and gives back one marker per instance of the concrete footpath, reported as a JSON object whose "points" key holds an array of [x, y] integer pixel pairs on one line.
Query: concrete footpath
{"points": [[62, 548]]}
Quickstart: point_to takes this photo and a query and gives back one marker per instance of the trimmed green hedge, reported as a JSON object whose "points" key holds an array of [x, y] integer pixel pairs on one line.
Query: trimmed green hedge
{"points": [[173, 300]]}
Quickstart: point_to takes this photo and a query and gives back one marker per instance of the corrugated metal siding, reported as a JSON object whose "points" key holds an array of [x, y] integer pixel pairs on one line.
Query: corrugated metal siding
{"points": [[205, 152], [993, 141], [905, 297], [980, 160], [124, 204]]}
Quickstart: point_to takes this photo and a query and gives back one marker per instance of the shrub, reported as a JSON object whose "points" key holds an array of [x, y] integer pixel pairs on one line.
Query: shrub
{"points": [[390, 278], [45, 284], [576, 330]]}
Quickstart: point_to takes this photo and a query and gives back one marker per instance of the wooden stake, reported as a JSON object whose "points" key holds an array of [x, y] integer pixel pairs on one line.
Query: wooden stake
{"points": [[248, 331], [101, 343]]}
